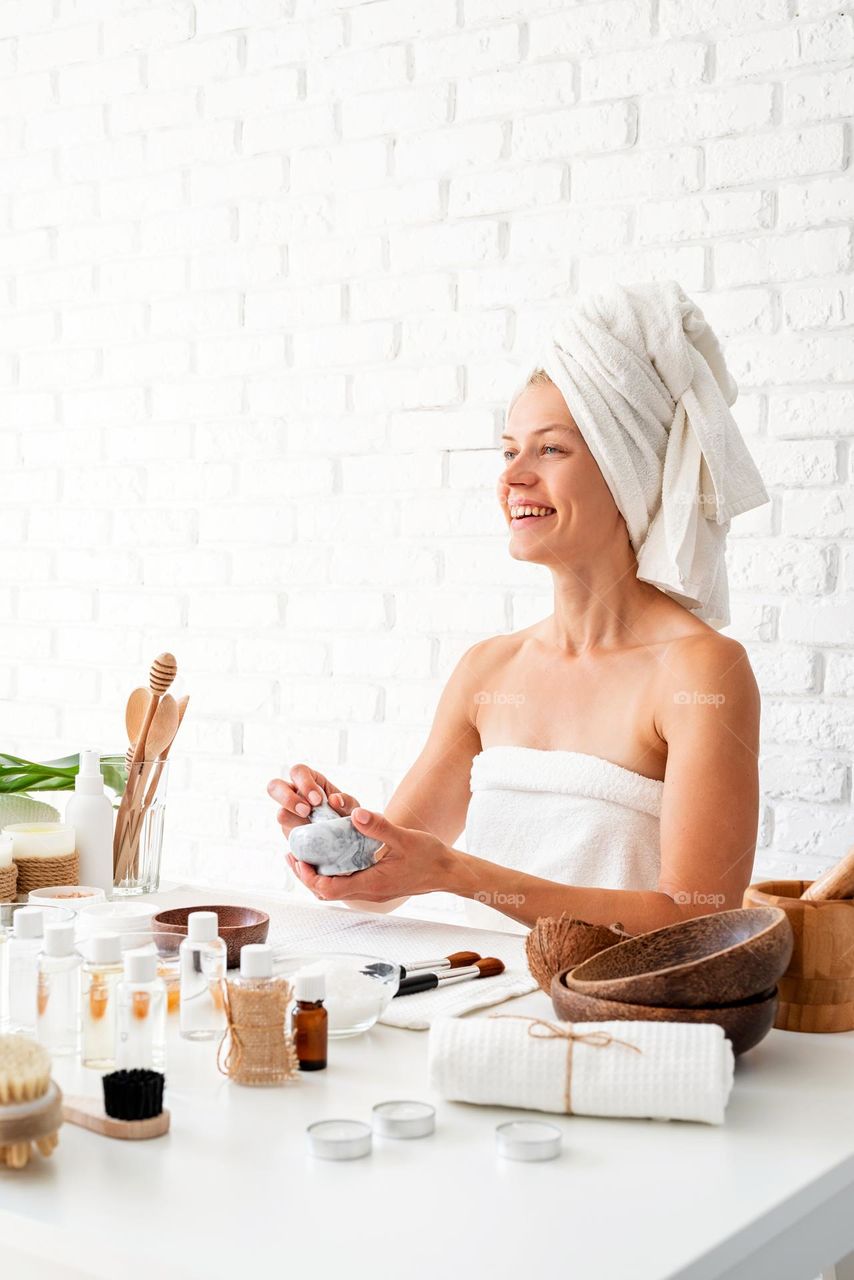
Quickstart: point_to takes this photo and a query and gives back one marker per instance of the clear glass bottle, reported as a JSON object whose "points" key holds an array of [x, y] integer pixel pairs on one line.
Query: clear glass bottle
{"points": [[141, 1008], [23, 965], [202, 961], [256, 981], [310, 1020], [58, 992], [102, 973]]}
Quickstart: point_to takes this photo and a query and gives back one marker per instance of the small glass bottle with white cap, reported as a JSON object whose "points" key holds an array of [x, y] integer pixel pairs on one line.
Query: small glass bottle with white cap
{"points": [[309, 1020], [202, 962], [58, 991], [24, 947], [141, 1008], [102, 972], [259, 1003]]}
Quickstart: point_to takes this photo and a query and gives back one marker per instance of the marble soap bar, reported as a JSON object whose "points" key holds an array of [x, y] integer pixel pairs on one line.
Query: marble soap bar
{"points": [[332, 844]]}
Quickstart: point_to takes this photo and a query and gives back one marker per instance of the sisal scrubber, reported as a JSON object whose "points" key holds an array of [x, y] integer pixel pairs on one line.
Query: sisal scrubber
{"points": [[30, 1102]]}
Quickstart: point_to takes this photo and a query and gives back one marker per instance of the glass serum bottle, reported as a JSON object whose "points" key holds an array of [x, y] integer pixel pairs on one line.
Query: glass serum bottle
{"points": [[202, 962], [141, 1013], [58, 992], [24, 947], [102, 973]]}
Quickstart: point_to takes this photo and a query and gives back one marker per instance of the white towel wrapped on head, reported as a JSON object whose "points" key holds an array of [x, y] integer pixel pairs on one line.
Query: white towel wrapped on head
{"points": [[664, 1071], [645, 380]]}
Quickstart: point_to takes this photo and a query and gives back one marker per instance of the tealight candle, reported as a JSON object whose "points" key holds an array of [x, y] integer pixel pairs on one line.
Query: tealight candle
{"points": [[404, 1119], [528, 1140], [40, 839], [5, 852], [339, 1139]]}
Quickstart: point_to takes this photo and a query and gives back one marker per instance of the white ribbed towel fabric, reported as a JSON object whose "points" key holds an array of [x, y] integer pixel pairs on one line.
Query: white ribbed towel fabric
{"points": [[563, 815], [646, 382], [684, 1071]]}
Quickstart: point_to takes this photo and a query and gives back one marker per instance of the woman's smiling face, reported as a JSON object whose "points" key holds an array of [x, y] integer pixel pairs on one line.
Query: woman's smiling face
{"points": [[548, 467]]}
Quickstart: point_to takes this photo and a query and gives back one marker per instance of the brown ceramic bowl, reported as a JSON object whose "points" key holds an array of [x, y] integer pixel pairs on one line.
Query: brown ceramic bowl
{"points": [[745, 1022], [708, 960], [237, 926]]}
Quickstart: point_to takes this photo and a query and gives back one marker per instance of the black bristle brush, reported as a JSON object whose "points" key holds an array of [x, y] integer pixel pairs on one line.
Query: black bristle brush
{"points": [[133, 1106]]}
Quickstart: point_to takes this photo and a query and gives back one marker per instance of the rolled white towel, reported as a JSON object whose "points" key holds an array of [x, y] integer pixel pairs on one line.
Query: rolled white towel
{"points": [[657, 1070]]}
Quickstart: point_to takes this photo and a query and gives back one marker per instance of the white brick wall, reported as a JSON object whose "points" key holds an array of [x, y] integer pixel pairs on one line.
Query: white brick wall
{"points": [[268, 270]]}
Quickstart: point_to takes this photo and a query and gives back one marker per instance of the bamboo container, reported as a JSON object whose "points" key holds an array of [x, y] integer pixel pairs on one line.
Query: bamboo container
{"points": [[817, 989]]}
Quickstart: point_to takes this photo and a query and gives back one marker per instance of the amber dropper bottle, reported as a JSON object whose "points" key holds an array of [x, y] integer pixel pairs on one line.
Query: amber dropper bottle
{"points": [[310, 1021]]}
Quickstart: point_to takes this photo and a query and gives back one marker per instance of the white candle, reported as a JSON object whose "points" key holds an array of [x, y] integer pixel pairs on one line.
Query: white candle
{"points": [[40, 839], [5, 851]]}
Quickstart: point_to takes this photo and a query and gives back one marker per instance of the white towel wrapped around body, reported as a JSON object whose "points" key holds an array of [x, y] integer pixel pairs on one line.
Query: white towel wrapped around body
{"points": [[645, 380], [676, 1071]]}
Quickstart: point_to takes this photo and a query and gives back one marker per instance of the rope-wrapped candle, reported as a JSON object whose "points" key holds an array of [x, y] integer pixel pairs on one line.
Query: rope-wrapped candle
{"points": [[44, 853]]}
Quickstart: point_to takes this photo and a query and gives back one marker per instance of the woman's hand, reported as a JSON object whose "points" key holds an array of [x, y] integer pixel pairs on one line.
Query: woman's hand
{"points": [[408, 862], [298, 795]]}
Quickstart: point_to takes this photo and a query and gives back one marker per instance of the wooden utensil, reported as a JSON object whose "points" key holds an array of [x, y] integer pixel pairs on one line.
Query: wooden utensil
{"points": [[817, 988], [163, 728], [135, 710], [90, 1114], [163, 671], [154, 765], [836, 882]]}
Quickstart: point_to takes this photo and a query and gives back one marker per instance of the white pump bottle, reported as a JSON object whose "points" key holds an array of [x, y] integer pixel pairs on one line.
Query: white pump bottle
{"points": [[90, 813]]}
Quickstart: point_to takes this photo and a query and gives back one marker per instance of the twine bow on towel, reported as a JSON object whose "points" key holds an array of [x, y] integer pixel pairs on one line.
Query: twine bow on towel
{"points": [[551, 1031]]}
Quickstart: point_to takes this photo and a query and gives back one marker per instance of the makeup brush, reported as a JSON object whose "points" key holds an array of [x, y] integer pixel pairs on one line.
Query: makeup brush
{"points": [[489, 967], [458, 960]]}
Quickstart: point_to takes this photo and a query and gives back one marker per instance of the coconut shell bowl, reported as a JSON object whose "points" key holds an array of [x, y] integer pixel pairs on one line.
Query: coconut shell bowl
{"points": [[237, 926], [706, 961], [744, 1022]]}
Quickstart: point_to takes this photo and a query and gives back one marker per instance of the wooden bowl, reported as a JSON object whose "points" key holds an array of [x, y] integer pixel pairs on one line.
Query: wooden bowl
{"points": [[817, 988], [237, 926], [745, 1022], [708, 960]]}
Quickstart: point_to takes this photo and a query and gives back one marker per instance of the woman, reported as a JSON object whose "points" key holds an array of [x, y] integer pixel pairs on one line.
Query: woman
{"points": [[611, 748]]}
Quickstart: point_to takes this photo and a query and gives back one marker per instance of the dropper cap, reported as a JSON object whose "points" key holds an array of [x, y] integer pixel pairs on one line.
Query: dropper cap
{"points": [[202, 926], [140, 966], [89, 780], [29, 922], [58, 939], [256, 960], [309, 986]]}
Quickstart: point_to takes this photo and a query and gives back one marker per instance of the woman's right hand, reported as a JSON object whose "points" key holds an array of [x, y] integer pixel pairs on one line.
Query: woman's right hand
{"points": [[304, 789]]}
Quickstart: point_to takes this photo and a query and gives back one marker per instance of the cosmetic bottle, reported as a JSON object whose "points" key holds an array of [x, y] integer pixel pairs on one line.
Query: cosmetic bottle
{"points": [[309, 1021], [102, 973], [260, 1047], [58, 992], [202, 962], [90, 813], [141, 1007], [23, 963]]}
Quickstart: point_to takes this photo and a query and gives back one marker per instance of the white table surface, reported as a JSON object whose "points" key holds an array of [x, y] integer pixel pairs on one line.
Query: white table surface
{"points": [[231, 1190]]}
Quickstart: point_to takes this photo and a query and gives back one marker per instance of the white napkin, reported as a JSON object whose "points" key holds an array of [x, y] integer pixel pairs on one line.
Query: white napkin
{"points": [[684, 1071]]}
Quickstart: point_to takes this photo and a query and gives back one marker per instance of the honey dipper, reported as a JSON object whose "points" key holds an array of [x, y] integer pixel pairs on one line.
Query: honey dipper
{"points": [[30, 1102], [161, 676]]}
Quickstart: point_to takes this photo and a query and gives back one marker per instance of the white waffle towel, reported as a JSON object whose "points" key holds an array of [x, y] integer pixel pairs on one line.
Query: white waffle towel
{"points": [[646, 382], [676, 1071]]}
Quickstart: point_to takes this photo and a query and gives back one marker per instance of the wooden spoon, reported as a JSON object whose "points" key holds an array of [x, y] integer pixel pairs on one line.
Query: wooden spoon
{"points": [[163, 671], [135, 713], [836, 882], [164, 726]]}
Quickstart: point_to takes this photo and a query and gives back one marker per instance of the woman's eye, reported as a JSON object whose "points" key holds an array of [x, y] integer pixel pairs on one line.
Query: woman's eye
{"points": [[508, 453]]}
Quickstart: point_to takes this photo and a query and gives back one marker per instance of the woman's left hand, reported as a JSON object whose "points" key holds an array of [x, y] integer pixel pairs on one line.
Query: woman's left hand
{"points": [[408, 862]]}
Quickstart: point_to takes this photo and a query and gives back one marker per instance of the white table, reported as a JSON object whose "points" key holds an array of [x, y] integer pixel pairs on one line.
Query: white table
{"points": [[231, 1191]]}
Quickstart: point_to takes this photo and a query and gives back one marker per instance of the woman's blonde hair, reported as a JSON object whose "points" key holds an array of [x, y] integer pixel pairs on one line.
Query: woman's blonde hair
{"points": [[539, 378]]}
